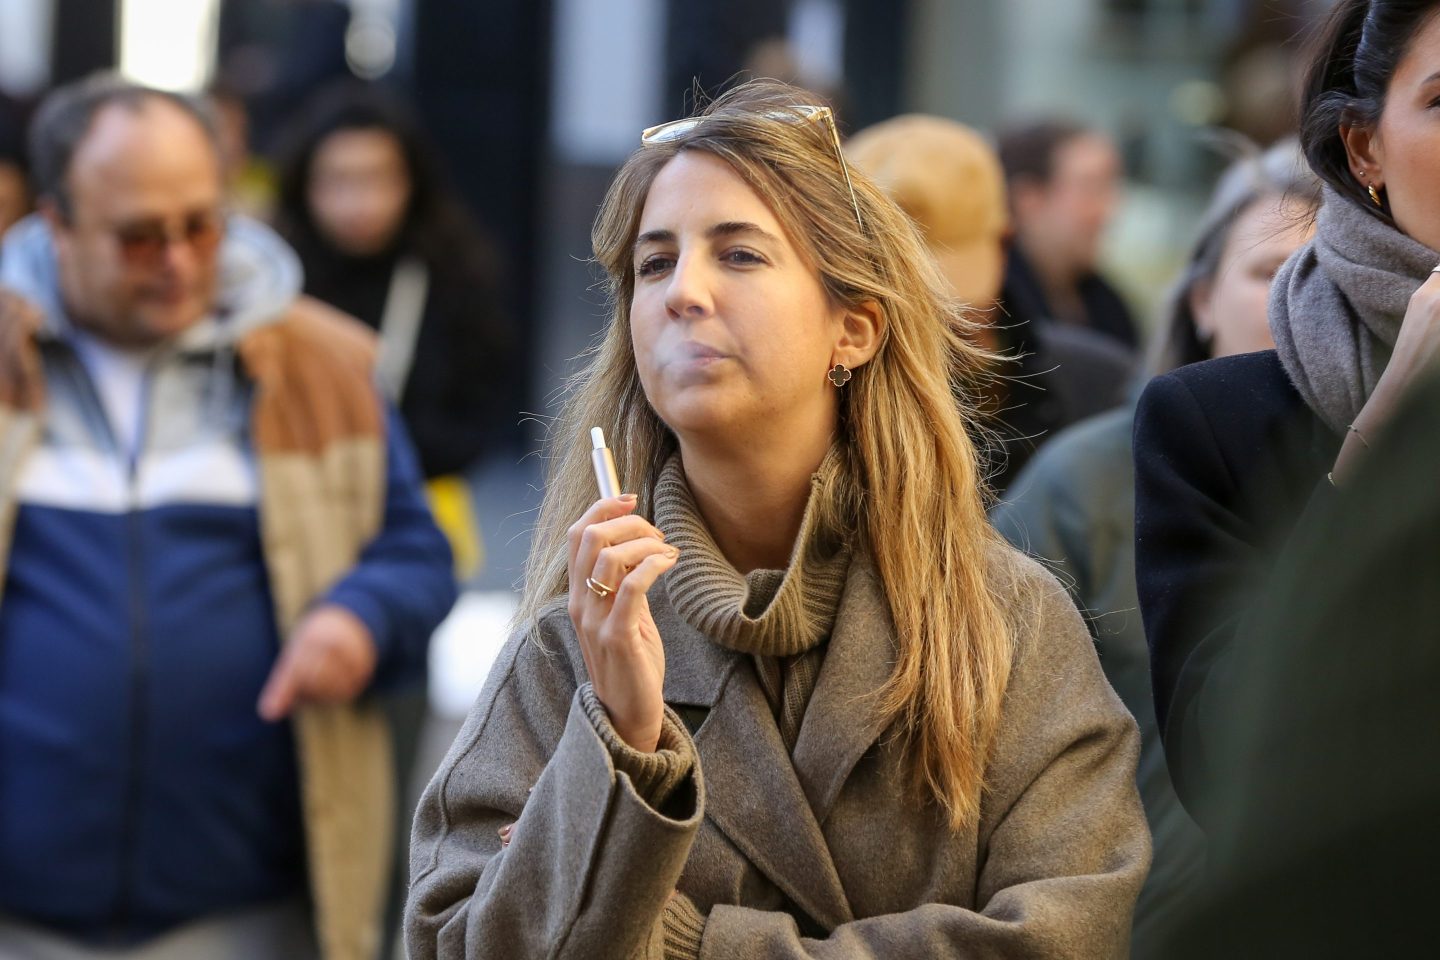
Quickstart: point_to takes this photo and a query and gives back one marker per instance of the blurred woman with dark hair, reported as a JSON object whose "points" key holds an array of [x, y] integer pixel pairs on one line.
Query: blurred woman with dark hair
{"points": [[382, 237], [1230, 453]]}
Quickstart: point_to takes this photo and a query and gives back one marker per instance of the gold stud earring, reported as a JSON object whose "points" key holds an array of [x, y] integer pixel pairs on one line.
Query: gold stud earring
{"points": [[839, 375]]}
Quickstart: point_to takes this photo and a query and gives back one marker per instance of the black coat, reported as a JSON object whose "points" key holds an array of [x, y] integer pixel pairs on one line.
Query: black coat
{"points": [[1057, 375], [462, 399], [1326, 838], [1105, 310], [1227, 458]]}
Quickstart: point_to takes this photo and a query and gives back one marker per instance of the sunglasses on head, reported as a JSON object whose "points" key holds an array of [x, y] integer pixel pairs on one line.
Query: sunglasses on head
{"points": [[145, 242], [800, 113]]}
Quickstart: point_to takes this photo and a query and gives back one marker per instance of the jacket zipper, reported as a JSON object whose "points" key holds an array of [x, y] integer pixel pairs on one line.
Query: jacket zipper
{"points": [[139, 678]]}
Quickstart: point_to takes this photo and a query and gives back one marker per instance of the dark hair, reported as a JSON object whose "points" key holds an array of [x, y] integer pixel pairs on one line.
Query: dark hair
{"points": [[1278, 173], [436, 225], [1027, 152], [1352, 62], [67, 113], [12, 135]]}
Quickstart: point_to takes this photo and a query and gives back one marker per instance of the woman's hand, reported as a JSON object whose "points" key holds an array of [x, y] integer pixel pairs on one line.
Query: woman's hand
{"points": [[1415, 357], [623, 555]]}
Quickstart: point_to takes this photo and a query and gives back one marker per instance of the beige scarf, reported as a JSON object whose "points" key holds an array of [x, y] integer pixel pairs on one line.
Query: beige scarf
{"points": [[781, 617], [318, 430]]}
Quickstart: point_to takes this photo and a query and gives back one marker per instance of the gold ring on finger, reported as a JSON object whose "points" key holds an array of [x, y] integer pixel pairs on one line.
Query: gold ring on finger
{"points": [[599, 589]]}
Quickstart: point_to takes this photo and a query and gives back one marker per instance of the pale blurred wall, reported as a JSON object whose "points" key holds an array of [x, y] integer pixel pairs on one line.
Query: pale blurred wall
{"points": [[1144, 81]]}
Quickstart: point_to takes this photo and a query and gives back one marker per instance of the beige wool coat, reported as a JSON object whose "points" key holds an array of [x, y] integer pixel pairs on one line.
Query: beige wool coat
{"points": [[829, 854]]}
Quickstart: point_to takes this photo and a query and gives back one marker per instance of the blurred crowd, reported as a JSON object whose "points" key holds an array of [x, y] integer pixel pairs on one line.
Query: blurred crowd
{"points": [[247, 383]]}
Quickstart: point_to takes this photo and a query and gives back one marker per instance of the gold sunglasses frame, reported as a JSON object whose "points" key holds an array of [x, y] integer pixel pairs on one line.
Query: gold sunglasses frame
{"points": [[675, 129]]}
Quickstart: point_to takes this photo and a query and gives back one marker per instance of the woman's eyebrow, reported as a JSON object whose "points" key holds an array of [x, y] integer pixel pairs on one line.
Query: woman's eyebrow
{"points": [[654, 236], [730, 228], [726, 228]]}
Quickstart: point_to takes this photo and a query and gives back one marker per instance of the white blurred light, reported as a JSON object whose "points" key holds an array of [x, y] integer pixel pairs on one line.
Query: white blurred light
{"points": [[170, 44], [464, 647], [370, 47], [1198, 103], [816, 37], [25, 31], [607, 78]]}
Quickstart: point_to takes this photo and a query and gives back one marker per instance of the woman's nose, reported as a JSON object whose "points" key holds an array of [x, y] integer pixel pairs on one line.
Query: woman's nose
{"points": [[688, 293]]}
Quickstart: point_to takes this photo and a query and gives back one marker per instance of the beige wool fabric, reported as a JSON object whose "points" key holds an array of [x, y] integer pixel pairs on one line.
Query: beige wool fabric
{"points": [[825, 850], [782, 617]]}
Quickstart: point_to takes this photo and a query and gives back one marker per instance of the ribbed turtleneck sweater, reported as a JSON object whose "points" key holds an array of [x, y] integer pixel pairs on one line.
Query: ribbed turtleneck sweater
{"points": [[780, 617]]}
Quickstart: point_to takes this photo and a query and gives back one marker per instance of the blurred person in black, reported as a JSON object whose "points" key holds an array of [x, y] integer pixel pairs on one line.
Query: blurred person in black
{"points": [[1064, 183], [1324, 839], [1074, 503], [382, 237], [949, 181], [1230, 453]]}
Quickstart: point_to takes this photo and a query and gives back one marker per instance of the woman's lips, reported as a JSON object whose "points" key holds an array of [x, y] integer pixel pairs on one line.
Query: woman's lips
{"points": [[693, 355], [694, 359], [694, 351]]}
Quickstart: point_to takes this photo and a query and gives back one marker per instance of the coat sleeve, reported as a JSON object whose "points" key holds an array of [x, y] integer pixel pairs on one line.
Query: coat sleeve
{"points": [[1064, 845], [601, 832]]}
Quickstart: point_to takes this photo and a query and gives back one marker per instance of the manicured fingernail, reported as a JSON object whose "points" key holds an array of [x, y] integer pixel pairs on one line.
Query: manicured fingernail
{"points": [[628, 497], [672, 553]]}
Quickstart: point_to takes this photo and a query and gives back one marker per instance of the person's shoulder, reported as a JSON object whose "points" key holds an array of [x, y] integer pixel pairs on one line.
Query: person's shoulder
{"points": [[1101, 352], [1246, 389], [1249, 375], [1030, 592], [1052, 648], [1089, 457]]}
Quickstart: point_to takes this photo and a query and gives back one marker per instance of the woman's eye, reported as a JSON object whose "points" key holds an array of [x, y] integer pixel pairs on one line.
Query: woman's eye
{"points": [[656, 264], [742, 256]]}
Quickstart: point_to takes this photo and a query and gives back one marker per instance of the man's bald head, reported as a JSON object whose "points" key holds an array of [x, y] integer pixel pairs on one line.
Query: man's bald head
{"points": [[129, 181], [67, 115]]}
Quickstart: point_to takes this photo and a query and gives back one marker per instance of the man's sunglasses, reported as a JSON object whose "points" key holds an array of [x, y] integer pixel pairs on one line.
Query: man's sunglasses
{"points": [[145, 242]]}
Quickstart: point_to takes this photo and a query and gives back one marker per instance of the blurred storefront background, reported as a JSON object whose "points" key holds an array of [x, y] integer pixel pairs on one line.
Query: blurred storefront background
{"points": [[532, 103]]}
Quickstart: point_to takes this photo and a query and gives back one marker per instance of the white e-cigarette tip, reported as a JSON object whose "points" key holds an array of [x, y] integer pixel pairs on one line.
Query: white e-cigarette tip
{"points": [[597, 438]]}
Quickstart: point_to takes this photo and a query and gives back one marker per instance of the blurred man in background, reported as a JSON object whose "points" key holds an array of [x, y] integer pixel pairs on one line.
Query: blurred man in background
{"points": [[219, 547], [1064, 183], [948, 179]]}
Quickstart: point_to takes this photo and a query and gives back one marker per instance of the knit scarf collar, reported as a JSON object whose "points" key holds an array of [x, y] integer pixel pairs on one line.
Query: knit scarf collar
{"points": [[770, 613], [1336, 307]]}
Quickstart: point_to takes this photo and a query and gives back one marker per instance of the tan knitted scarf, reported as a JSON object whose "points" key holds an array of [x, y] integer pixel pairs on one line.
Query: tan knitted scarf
{"points": [[318, 432], [782, 617]]}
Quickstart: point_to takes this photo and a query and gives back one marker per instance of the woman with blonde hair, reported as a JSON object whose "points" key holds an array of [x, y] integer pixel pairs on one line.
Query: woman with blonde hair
{"points": [[816, 708]]}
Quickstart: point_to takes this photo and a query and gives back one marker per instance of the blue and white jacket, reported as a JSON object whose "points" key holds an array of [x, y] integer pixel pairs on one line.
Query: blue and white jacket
{"points": [[139, 788]]}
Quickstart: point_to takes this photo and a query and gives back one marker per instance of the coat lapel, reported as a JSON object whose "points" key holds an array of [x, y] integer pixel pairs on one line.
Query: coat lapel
{"points": [[841, 722], [752, 793]]}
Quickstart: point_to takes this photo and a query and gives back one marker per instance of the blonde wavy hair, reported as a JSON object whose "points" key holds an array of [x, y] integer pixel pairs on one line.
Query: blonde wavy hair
{"points": [[913, 469]]}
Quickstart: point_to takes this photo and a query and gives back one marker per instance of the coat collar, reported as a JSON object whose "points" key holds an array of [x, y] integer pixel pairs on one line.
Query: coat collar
{"points": [[770, 805]]}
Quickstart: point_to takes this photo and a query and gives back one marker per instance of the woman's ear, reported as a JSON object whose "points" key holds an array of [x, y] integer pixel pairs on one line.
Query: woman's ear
{"points": [[1366, 154], [863, 327]]}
